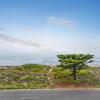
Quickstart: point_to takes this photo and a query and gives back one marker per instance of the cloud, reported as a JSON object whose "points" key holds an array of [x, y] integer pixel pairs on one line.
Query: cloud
{"points": [[60, 21], [16, 40]]}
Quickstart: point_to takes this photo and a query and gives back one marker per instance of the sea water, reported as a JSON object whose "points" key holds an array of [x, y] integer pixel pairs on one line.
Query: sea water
{"points": [[37, 59]]}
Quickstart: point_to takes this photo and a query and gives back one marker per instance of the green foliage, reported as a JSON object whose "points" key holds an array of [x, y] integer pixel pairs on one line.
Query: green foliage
{"points": [[88, 75], [32, 76], [61, 74], [35, 67], [83, 72], [69, 60], [25, 76], [58, 71], [74, 62]]}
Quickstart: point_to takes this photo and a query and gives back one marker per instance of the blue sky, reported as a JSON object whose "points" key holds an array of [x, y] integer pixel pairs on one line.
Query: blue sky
{"points": [[56, 26]]}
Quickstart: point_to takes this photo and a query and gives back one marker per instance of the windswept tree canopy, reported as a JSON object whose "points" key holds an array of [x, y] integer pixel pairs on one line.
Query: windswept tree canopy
{"points": [[74, 62], [69, 60]]}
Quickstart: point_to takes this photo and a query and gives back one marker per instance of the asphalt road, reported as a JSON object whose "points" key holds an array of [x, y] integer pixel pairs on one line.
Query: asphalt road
{"points": [[50, 95]]}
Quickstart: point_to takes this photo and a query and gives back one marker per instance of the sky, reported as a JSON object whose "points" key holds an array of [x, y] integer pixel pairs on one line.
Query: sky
{"points": [[49, 27]]}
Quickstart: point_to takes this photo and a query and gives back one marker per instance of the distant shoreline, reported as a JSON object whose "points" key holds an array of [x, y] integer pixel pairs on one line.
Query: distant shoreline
{"points": [[15, 65]]}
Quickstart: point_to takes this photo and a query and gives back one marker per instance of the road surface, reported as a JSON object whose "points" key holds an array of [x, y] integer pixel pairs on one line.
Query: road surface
{"points": [[50, 95]]}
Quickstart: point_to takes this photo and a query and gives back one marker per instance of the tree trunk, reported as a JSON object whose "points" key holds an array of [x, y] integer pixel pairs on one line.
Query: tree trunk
{"points": [[74, 72]]}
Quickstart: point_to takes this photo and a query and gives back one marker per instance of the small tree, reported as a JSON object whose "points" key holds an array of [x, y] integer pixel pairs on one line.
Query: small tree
{"points": [[74, 62]]}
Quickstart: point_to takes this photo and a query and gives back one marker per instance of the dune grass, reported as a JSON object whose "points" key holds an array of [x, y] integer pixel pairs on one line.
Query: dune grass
{"points": [[35, 76]]}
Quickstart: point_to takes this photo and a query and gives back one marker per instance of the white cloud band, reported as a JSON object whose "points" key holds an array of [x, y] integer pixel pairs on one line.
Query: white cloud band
{"points": [[16, 40], [59, 21]]}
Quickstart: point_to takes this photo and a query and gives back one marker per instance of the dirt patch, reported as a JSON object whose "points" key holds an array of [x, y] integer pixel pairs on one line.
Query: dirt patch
{"points": [[74, 85]]}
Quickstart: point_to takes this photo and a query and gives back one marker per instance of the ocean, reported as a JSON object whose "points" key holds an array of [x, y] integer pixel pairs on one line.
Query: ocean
{"points": [[37, 59], [24, 59]]}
